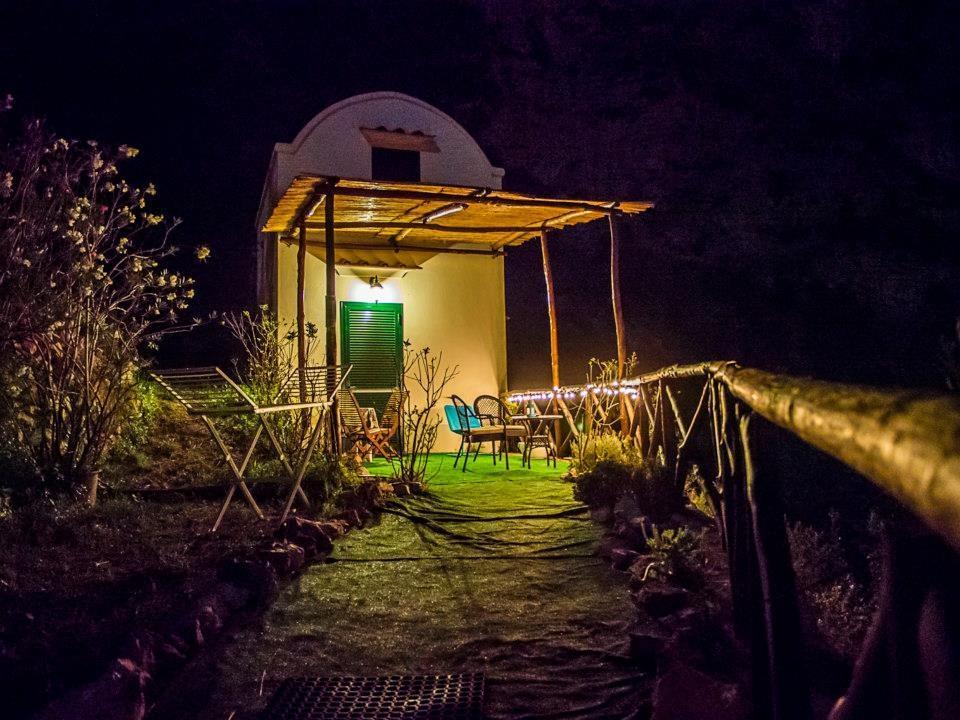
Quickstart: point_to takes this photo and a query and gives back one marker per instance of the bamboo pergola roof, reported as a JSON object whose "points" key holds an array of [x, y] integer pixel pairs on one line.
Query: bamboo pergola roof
{"points": [[402, 224]]}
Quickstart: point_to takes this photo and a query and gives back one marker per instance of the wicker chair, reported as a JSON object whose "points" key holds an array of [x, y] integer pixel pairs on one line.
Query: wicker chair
{"points": [[473, 433], [494, 414]]}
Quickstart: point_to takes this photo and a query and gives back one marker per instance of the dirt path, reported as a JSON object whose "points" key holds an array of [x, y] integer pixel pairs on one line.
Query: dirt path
{"points": [[490, 572]]}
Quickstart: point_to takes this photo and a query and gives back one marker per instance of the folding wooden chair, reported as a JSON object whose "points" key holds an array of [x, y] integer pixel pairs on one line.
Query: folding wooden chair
{"points": [[365, 434], [208, 392]]}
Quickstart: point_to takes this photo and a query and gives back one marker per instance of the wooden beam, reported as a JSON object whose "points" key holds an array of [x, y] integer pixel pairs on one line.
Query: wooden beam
{"points": [[602, 208], [435, 227], [399, 140], [406, 248]]}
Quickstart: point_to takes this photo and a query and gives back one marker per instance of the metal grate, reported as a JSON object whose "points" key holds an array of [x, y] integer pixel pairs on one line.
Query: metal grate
{"points": [[397, 697]]}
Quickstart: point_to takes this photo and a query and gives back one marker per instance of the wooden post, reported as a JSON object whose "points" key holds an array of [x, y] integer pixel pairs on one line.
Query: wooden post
{"points": [[551, 310], [618, 312], [331, 268], [552, 313], [780, 685], [301, 313], [330, 261]]}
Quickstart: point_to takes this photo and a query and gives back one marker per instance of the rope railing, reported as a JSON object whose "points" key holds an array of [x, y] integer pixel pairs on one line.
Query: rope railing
{"points": [[906, 442]]}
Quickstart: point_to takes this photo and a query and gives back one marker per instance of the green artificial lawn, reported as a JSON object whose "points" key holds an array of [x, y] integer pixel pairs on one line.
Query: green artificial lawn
{"points": [[440, 469]]}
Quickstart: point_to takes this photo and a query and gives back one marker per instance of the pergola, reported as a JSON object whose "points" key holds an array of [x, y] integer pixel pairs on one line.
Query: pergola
{"points": [[393, 225]]}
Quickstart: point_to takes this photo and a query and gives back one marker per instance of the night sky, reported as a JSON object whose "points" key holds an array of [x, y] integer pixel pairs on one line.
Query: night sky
{"points": [[804, 157]]}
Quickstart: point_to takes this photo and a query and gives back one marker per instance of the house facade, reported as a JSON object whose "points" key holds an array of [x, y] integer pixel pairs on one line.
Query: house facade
{"points": [[450, 302]]}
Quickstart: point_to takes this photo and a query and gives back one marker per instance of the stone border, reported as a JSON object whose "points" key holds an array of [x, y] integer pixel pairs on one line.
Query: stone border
{"points": [[246, 583], [681, 636]]}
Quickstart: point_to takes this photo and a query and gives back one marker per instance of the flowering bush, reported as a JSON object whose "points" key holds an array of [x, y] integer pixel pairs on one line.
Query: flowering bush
{"points": [[82, 294], [268, 357]]}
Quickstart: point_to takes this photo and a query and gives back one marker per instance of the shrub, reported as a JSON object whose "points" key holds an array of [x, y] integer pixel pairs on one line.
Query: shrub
{"points": [[82, 294], [649, 482], [137, 426], [656, 492], [694, 489], [604, 484], [839, 598], [608, 448], [674, 556]]}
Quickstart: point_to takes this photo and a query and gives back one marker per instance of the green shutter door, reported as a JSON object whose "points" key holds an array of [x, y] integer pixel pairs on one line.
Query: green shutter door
{"points": [[371, 340]]}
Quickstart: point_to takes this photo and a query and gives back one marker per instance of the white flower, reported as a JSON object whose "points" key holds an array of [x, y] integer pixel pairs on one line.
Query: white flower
{"points": [[202, 253]]}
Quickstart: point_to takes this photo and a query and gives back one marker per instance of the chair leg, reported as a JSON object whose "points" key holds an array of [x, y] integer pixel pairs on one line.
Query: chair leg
{"points": [[459, 450], [506, 450]]}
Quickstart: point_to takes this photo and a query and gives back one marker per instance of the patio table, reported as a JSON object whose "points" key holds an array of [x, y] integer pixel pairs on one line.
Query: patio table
{"points": [[538, 435], [208, 392]]}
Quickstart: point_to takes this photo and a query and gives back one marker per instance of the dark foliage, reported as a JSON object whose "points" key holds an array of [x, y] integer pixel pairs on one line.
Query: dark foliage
{"points": [[650, 485], [803, 156]]}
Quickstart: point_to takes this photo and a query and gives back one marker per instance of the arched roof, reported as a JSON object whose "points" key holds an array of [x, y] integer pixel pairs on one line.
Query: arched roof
{"points": [[363, 98]]}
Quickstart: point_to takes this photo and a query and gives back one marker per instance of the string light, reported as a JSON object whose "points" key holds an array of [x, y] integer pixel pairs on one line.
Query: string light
{"points": [[607, 390]]}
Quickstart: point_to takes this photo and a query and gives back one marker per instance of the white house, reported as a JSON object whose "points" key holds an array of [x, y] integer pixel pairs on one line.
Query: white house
{"points": [[411, 210]]}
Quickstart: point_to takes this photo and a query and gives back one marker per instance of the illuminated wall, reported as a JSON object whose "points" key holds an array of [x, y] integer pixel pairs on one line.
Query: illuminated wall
{"points": [[455, 304]]}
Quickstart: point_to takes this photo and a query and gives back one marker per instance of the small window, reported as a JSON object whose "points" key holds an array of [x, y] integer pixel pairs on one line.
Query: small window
{"points": [[388, 164]]}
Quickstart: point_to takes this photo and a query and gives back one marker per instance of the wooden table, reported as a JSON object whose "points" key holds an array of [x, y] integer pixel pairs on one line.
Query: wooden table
{"points": [[538, 435]]}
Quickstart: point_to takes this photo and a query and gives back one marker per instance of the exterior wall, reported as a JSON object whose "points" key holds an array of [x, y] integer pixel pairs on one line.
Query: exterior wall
{"points": [[454, 305], [331, 144]]}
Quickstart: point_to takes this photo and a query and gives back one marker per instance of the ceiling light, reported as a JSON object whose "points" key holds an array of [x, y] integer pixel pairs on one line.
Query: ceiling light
{"points": [[444, 211], [316, 206]]}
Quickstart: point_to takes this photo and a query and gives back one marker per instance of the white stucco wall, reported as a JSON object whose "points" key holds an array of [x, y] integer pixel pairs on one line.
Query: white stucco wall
{"points": [[455, 305], [331, 144]]}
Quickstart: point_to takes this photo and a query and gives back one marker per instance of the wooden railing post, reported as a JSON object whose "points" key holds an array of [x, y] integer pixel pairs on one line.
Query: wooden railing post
{"points": [[780, 681]]}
